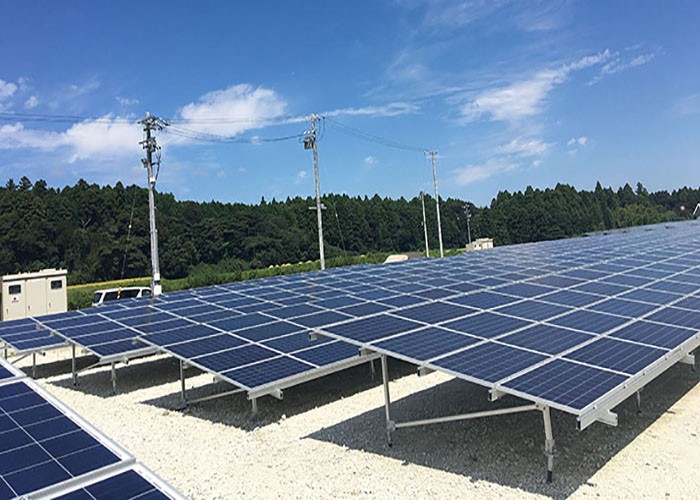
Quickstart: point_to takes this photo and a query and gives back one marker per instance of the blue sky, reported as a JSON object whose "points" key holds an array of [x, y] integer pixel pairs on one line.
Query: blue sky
{"points": [[510, 94]]}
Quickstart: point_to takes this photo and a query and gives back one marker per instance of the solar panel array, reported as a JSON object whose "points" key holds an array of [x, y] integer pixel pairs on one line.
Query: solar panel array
{"points": [[43, 444], [562, 322]]}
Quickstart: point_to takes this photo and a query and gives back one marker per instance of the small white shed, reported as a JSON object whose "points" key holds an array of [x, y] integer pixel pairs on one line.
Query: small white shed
{"points": [[33, 294]]}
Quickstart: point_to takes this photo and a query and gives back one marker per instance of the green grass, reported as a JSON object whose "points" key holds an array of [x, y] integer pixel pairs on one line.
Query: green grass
{"points": [[80, 296]]}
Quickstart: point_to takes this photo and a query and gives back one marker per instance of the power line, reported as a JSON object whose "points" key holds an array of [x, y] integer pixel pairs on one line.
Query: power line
{"points": [[199, 135], [32, 117], [373, 138]]}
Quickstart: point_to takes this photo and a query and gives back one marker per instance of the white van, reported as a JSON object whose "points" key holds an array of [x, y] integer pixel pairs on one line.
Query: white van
{"points": [[128, 292]]}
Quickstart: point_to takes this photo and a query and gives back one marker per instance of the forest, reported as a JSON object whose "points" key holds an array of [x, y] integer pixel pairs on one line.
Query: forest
{"points": [[85, 228]]}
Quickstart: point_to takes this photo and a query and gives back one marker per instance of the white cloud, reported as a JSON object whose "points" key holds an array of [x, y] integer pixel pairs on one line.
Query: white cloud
{"points": [[23, 84], [576, 143], [525, 147], [448, 13], [7, 89], [370, 160], [107, 137], [234, 110], [242, 170], [618, 64], [79, 89], [126, 101], [302, 174], [32, 102], [391, 109], [526, 98], [581, 141], [475, 173], [687, 105], [15, 136]]}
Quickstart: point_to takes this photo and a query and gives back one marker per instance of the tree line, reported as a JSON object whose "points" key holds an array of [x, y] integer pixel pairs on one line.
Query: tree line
{"points": [[101, 232]]}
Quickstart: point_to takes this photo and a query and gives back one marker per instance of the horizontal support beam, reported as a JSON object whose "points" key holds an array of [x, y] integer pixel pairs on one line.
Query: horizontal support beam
{"points": [[467, 416], [214, 396]]}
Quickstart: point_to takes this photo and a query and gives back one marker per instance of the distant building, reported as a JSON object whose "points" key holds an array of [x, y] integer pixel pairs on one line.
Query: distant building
{"points": [[480, 244]]}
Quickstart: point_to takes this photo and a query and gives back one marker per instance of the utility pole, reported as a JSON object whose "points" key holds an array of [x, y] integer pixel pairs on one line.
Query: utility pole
{"points": [[469, 216], [433, 154], [151, 124], [425, 226], [310, 143]]}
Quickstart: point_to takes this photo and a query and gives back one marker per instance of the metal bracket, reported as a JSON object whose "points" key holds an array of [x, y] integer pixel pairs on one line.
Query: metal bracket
{"points": [[315, 336], [607, 417], [424, 370], [275, 393], [364, 352], [688, 359], [495, 394]]}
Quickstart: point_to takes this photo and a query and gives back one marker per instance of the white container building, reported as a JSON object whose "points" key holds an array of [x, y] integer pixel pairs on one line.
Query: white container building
{"points": [[33, 294]]}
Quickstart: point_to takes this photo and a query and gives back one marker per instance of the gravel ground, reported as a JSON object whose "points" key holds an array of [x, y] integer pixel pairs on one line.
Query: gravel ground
{"points": [[326, 438]]}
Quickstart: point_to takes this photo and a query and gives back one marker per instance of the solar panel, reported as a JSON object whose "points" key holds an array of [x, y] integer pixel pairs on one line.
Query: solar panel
{"points": [[133, 483], [47, 448]]}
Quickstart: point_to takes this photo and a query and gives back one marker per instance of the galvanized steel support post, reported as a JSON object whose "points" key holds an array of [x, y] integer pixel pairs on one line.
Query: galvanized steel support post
{"points": [[548, 442]]}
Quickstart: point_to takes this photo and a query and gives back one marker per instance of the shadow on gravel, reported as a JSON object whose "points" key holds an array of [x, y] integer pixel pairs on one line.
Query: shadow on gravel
{"points": [[53, 368], [138, 374], [507, 450], [235, 410]]}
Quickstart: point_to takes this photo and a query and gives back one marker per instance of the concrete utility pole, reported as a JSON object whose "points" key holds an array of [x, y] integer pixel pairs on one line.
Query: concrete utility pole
{"points": [[433, 154], [425, 225], [310, 143], [150, 124], [469, 216]]}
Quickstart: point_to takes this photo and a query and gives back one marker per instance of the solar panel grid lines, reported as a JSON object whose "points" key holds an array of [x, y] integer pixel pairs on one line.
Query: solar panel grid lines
{"points": [[45, 457], [603, 298], [244, 365], [48, 450], [585, 344], [97, 348]]}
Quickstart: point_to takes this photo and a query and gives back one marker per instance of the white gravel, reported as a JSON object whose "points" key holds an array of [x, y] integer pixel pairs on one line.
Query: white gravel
{"points": [[326, 438]]}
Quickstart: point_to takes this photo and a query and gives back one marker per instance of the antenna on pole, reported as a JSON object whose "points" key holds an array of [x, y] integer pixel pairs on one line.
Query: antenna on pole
{"points": [[425, 226], [151, 124], [310, 143], [433, 154]]}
